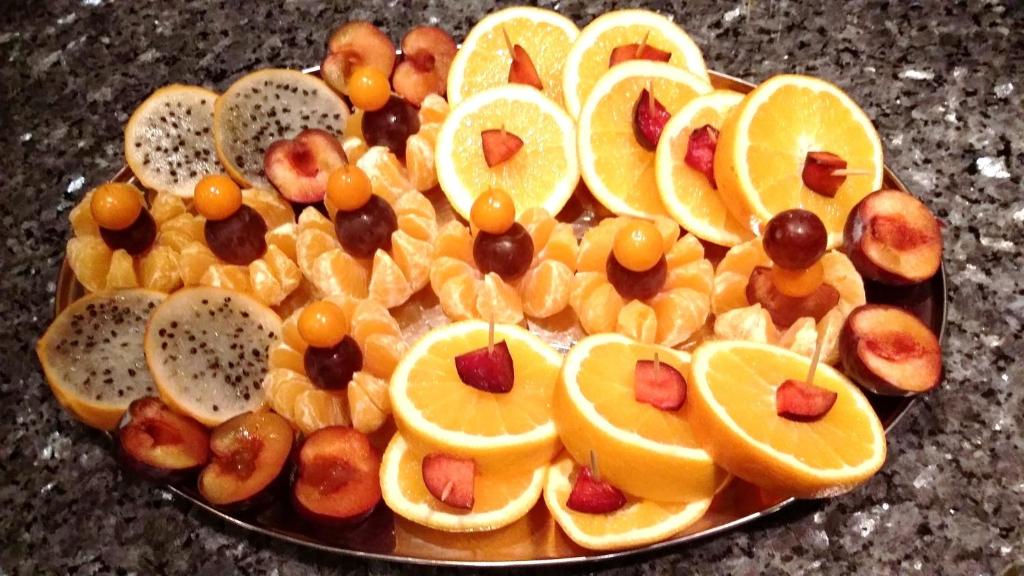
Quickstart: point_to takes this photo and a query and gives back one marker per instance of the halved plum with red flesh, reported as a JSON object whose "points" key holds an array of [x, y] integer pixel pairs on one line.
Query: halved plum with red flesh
{"points": [[659, 385], [338, 476], [785, 310], [427, 55], [700, 152], [637, 52], [522, 70], [450, 479], [649, 119], [299, 168], [803, 402], [893, 238], [591, 495], [889, 351], [158, 443], [356, 43], [249, 454], [499, 146], [490, 370]]}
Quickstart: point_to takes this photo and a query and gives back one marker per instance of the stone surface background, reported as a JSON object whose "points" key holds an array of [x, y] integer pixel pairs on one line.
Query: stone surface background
{"points": [[942, 81]]}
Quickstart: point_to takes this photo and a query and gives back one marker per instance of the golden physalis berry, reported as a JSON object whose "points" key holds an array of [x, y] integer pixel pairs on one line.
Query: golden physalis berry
{"points": [[638, 246], [217, 197], [322, 324], [798, 283], [368, 88], [115, 206], [493, 211], [348, 188]]}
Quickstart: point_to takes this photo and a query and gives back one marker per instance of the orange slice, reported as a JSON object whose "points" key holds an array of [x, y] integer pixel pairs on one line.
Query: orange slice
{"points": [[500, 497], [436, 411], [686, 193], [645, 451], [732, 406], [588, 60], [764, 143], [483, 60], [617, 169], [638, 523], [543, 173]]}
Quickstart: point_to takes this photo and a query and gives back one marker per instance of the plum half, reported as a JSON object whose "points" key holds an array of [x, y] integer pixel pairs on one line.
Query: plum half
{"points": [[299, 167], [249, 456], [356, 43], [160, 444], [893, 238], [888, 351], [337, 480]]}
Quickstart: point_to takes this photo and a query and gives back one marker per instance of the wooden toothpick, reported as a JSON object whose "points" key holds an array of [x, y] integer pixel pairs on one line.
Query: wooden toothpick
{"points": [[657, 364], [817, 356], [851, 172], [447, 490], [640, 46], [593, 466], [490, 329], [650, 96], [508, 41]]}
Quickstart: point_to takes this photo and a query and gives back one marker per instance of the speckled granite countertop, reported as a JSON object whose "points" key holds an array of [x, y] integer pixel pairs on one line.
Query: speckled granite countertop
{"points": [[942, 82]]}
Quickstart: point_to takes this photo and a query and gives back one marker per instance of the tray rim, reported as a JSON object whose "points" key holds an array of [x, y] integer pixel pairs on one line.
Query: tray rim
{"points": [[64, 297]]}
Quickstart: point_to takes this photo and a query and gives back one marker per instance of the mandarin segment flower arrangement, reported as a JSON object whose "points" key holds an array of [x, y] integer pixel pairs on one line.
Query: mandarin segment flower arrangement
{"points": [[550, 273]]}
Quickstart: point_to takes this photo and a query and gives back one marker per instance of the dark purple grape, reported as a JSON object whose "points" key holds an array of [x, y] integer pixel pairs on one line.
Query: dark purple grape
{"points": [[136, 238], [636, 285], [508, 255], [795, 239], [239, 238], [368, 229], [332, 368], [391, 125]]}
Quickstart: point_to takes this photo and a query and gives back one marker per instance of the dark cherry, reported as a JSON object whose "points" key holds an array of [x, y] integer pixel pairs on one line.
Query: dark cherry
{"points": [[795, 239], [239, 238], [636, 285], [508, 255], [134, 239], [332, 368], [391, 125], [368, 229]]}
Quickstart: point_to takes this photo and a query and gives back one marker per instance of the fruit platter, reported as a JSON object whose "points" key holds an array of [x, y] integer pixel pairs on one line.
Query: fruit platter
{"points": [[548, 295]]}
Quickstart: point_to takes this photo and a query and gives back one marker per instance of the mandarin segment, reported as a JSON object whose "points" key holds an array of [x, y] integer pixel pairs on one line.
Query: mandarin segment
{"points": [[227, 276], [81, 218], [158, 269], [637, 321], [561, 246], [121, 274], [413, 258], [180, 231], [281, 386], [281, 355], [498, 300], [274, 209], [315, 409], [193, 262], [166, 206], [381, 353], [389, 178], [454, 241], [545, 289], [368, 402], [681, 313], [388, 284], [89, 258]]}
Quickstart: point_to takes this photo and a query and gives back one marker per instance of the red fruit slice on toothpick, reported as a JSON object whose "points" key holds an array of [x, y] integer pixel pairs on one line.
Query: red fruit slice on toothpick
{"points": [[522, 70], [489, 368], [659, 385], [700, 152], [637, 52], [818, 173], [803, 402], [499, 146], [591, 495], [649, 119], [450, 479]]}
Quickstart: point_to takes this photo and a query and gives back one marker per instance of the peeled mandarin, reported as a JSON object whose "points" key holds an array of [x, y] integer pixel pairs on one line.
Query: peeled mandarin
{"points": [[115, 206], [217, 197], [493, 211], [638, 246], [322, 324]]}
